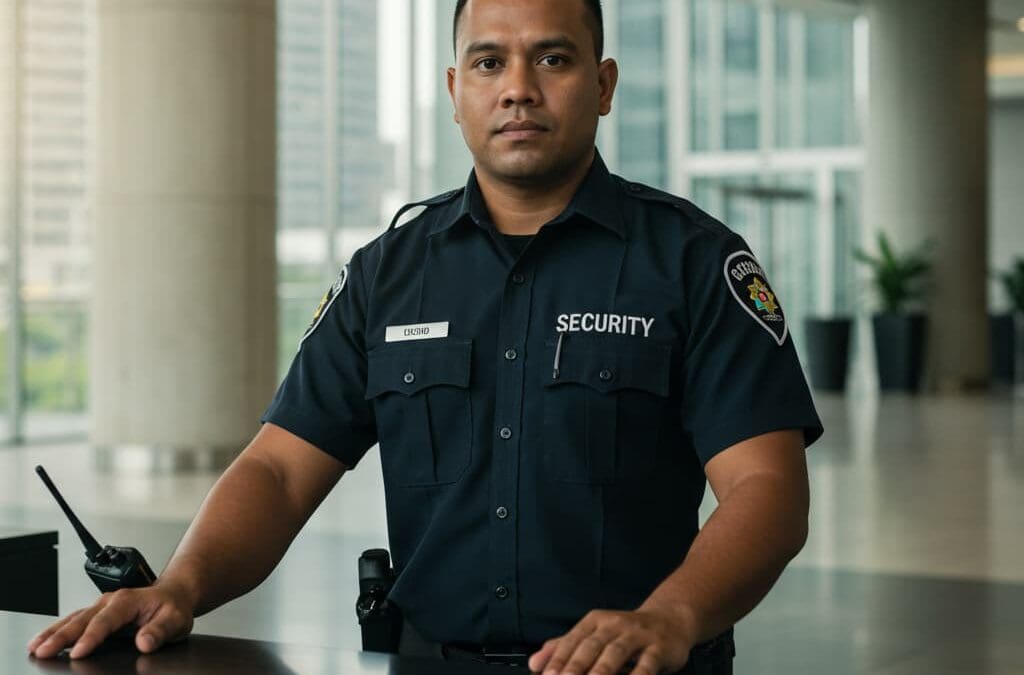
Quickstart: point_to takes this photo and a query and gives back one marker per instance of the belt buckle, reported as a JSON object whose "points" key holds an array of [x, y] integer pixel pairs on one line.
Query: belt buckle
{"points": [[504, 657]]}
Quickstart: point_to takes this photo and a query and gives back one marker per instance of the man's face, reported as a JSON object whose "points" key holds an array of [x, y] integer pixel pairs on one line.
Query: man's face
{"points": [[527, 87]]}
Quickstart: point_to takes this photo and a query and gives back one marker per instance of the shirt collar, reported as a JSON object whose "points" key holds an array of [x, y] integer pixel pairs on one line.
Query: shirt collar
{"points": [[596, 200]]}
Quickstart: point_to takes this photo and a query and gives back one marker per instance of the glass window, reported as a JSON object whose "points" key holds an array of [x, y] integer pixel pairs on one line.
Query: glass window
{"points": [[814, 81], [848, 214], [56, 213], [741, 96], [700, 75], [829, 94], [643, 135], [7, 201], [329, 152], [784, 108]]}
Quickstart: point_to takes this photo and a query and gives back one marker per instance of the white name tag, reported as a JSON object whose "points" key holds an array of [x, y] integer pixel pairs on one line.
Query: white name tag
{"points": [[416, 331]]}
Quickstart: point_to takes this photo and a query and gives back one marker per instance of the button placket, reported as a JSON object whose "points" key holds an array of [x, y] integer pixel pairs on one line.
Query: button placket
{"points": [[511, 334]]}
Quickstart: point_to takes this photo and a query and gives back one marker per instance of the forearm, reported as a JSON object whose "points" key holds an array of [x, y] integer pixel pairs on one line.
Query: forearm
{"points": [[735, 560], [241, 532]]}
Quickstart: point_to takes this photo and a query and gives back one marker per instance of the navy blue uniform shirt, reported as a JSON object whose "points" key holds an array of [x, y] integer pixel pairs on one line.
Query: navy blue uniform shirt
{"points": [[528, 482]]}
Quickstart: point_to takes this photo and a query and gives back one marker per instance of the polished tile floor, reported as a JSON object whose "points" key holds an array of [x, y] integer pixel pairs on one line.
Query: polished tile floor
{"points": [[915, 562]]}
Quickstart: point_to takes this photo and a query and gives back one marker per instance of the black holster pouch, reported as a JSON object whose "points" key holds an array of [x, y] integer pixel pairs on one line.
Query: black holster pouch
{"points": [[713, 657], [379, 620]]}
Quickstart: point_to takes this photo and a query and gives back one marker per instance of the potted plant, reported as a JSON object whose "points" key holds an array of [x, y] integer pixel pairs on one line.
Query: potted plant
{"points": [[899, 331], [828, 350], [1008, 329]]}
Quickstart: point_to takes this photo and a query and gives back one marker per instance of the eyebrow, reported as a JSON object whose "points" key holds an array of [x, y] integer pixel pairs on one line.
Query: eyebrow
{"points": [[557, 42]]}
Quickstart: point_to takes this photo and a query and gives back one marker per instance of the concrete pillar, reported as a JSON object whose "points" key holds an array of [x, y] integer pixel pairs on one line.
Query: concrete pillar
{"points": [[926, 173], [183, 345]]}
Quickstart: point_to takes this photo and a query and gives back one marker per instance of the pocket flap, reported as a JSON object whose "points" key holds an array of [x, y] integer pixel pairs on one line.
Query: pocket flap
{"points": [[408, 368], [608, 363]]}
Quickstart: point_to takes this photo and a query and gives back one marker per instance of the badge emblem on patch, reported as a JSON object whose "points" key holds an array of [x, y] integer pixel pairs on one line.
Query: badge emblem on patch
{"points": [[325, 303], [749, 285]]}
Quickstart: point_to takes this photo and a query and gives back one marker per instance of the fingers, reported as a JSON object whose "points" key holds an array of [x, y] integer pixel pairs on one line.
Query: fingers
{"points": [[169, 624], [613, 657], [66, 634], [542, 656], [163, 618], [606, 642], [117, 613], [567, 646], [50, 630], [587, 651], [649, 663]]}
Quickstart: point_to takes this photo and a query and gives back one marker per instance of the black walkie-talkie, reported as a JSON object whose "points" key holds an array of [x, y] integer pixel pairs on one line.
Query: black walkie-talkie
{"points": [[110, 567]]}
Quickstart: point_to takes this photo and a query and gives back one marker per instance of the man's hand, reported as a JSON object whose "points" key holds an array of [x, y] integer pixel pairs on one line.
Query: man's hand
{"points": [[163, 613], [604, 641]]}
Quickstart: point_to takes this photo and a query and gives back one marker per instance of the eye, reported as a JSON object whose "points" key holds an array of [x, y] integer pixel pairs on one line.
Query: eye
{"points": [[487, 64], [553, 60]]}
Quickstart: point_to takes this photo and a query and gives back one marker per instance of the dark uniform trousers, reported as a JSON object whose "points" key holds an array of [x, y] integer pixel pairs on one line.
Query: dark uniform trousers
{"points": [[713, 657]]}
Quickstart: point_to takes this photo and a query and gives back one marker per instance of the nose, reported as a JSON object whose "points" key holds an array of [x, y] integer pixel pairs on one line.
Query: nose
{"points": [[521, 85]]}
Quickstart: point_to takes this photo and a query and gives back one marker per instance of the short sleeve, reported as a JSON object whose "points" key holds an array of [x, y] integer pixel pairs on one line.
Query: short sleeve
{"points": [[742, 376], [322, 398]]}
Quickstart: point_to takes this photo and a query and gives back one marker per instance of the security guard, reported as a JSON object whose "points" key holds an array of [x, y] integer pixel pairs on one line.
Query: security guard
{"points": [[554, 361]]}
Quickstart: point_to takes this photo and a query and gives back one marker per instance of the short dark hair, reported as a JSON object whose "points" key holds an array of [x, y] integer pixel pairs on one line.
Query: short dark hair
{"points": [[593, 6]]}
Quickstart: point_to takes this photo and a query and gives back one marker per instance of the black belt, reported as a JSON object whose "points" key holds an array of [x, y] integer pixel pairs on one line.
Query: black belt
{"points": [[713, 657], [495, 655]]}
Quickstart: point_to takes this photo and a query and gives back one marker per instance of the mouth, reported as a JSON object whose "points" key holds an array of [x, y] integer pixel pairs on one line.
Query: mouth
{"points": [[521, 130]]}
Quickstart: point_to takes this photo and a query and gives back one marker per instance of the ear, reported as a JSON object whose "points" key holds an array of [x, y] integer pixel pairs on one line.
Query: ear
{"points": [[608, 78], [451, 92]]}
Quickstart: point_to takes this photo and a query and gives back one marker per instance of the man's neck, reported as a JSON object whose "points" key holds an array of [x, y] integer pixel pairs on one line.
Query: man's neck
{"points": [[518, 208]]}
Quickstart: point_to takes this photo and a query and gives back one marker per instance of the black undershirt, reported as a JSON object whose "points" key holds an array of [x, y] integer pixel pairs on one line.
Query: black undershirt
{"points": [[517, 242]]}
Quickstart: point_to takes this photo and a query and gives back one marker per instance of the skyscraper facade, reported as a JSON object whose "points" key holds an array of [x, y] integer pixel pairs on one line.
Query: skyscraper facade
{"points": [[47, 187], [330, 160], [328, 152], [56, 130]]}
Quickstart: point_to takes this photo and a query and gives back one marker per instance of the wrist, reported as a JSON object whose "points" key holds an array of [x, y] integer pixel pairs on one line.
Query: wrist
{"points": [[183, 584], [681, 616]]}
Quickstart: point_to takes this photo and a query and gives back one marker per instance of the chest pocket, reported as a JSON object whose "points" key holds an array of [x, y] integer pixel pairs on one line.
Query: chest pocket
{"points": [[602, 416], [420, 393]]}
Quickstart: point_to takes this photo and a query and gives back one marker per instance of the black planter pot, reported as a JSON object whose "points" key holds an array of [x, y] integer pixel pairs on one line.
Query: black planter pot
{"points": [[1003, 347], [828, 349], [899, 350], [1018, 350]]}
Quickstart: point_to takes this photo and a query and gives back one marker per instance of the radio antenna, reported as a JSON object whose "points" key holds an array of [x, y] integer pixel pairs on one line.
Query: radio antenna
{"points": [[92, 547]]}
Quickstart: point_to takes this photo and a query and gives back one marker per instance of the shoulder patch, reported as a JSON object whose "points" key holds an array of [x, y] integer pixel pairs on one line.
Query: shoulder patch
{"points": [[433, 201], [749, 285], [325, 303]]}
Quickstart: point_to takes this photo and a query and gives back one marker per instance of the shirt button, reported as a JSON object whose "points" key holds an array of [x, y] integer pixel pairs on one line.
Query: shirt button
{"points": [[501, 592], [505, 433], [511, 355], [518, 279], [502, 512], [605, 375], [408, 378]]}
